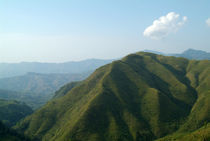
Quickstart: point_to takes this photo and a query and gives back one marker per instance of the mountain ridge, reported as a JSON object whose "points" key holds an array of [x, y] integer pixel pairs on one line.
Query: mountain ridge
{"points": [[141, 97], [189, 54], [16, 69], [35, 89]]}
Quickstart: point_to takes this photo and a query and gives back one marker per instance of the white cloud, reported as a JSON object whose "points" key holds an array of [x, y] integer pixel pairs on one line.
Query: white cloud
{"points": [[165, 25], [208, 22]]}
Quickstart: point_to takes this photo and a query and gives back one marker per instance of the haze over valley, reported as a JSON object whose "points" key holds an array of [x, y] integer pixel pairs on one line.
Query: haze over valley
{"points": [[90, 70]]}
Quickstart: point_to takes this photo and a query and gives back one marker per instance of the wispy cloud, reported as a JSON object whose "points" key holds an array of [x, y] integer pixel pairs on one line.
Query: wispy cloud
{"points": [[164, 26], [208, 22]]}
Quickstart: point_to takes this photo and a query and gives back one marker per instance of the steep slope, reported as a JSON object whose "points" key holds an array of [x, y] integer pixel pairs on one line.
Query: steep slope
{"points": [[66, 88], [199, 76], [141, 97], [13, 111]]}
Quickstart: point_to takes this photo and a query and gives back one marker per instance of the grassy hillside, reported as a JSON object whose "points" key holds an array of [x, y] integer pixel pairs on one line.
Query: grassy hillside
{"points": [[13, 111], [202, 134], [139, 98], [65, 89]]}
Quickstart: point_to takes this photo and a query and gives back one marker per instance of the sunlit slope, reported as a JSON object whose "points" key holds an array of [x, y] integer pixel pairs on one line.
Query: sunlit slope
{"points": [[141, 97], [65, 89], [201, 134]]}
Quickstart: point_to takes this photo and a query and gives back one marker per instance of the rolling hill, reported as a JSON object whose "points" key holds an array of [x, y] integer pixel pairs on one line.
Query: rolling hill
{"points": [[31, 99], [37, 83], [142, 97], [12, 111]]}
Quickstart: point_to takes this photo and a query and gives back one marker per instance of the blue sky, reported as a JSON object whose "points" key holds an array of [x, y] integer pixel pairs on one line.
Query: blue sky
{"points": [[65, 30]]}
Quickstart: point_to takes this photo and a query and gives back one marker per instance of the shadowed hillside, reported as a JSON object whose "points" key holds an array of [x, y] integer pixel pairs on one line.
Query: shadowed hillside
{"points": [[7, 134], [12, 111], [140, 98]]}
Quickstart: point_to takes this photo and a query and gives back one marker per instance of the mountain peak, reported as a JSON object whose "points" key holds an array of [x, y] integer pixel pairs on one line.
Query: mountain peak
{"points": [[144, 96], [190, 50], [195, 54]]}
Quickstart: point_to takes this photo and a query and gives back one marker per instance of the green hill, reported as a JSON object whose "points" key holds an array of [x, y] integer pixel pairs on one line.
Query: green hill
{"points": [[7, 134], [12, 111], [139, 98], [65, 89], [202, 134], [31, 99]]}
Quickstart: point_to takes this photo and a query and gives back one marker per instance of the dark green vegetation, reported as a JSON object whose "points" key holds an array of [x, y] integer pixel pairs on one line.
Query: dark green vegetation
{"points": [[7, 134], [35, 89], [12, 111], [16, 69], [140, 98]]}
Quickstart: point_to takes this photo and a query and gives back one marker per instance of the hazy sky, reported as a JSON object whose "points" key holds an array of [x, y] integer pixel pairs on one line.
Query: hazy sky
{"points": [[66, 30]]}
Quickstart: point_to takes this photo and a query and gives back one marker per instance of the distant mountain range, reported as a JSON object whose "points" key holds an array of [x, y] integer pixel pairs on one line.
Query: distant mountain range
{"points": [[142, 97], [35, 89], [189, 54], [37, 83], [16, 69], [194, 54], [31, 99]]}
